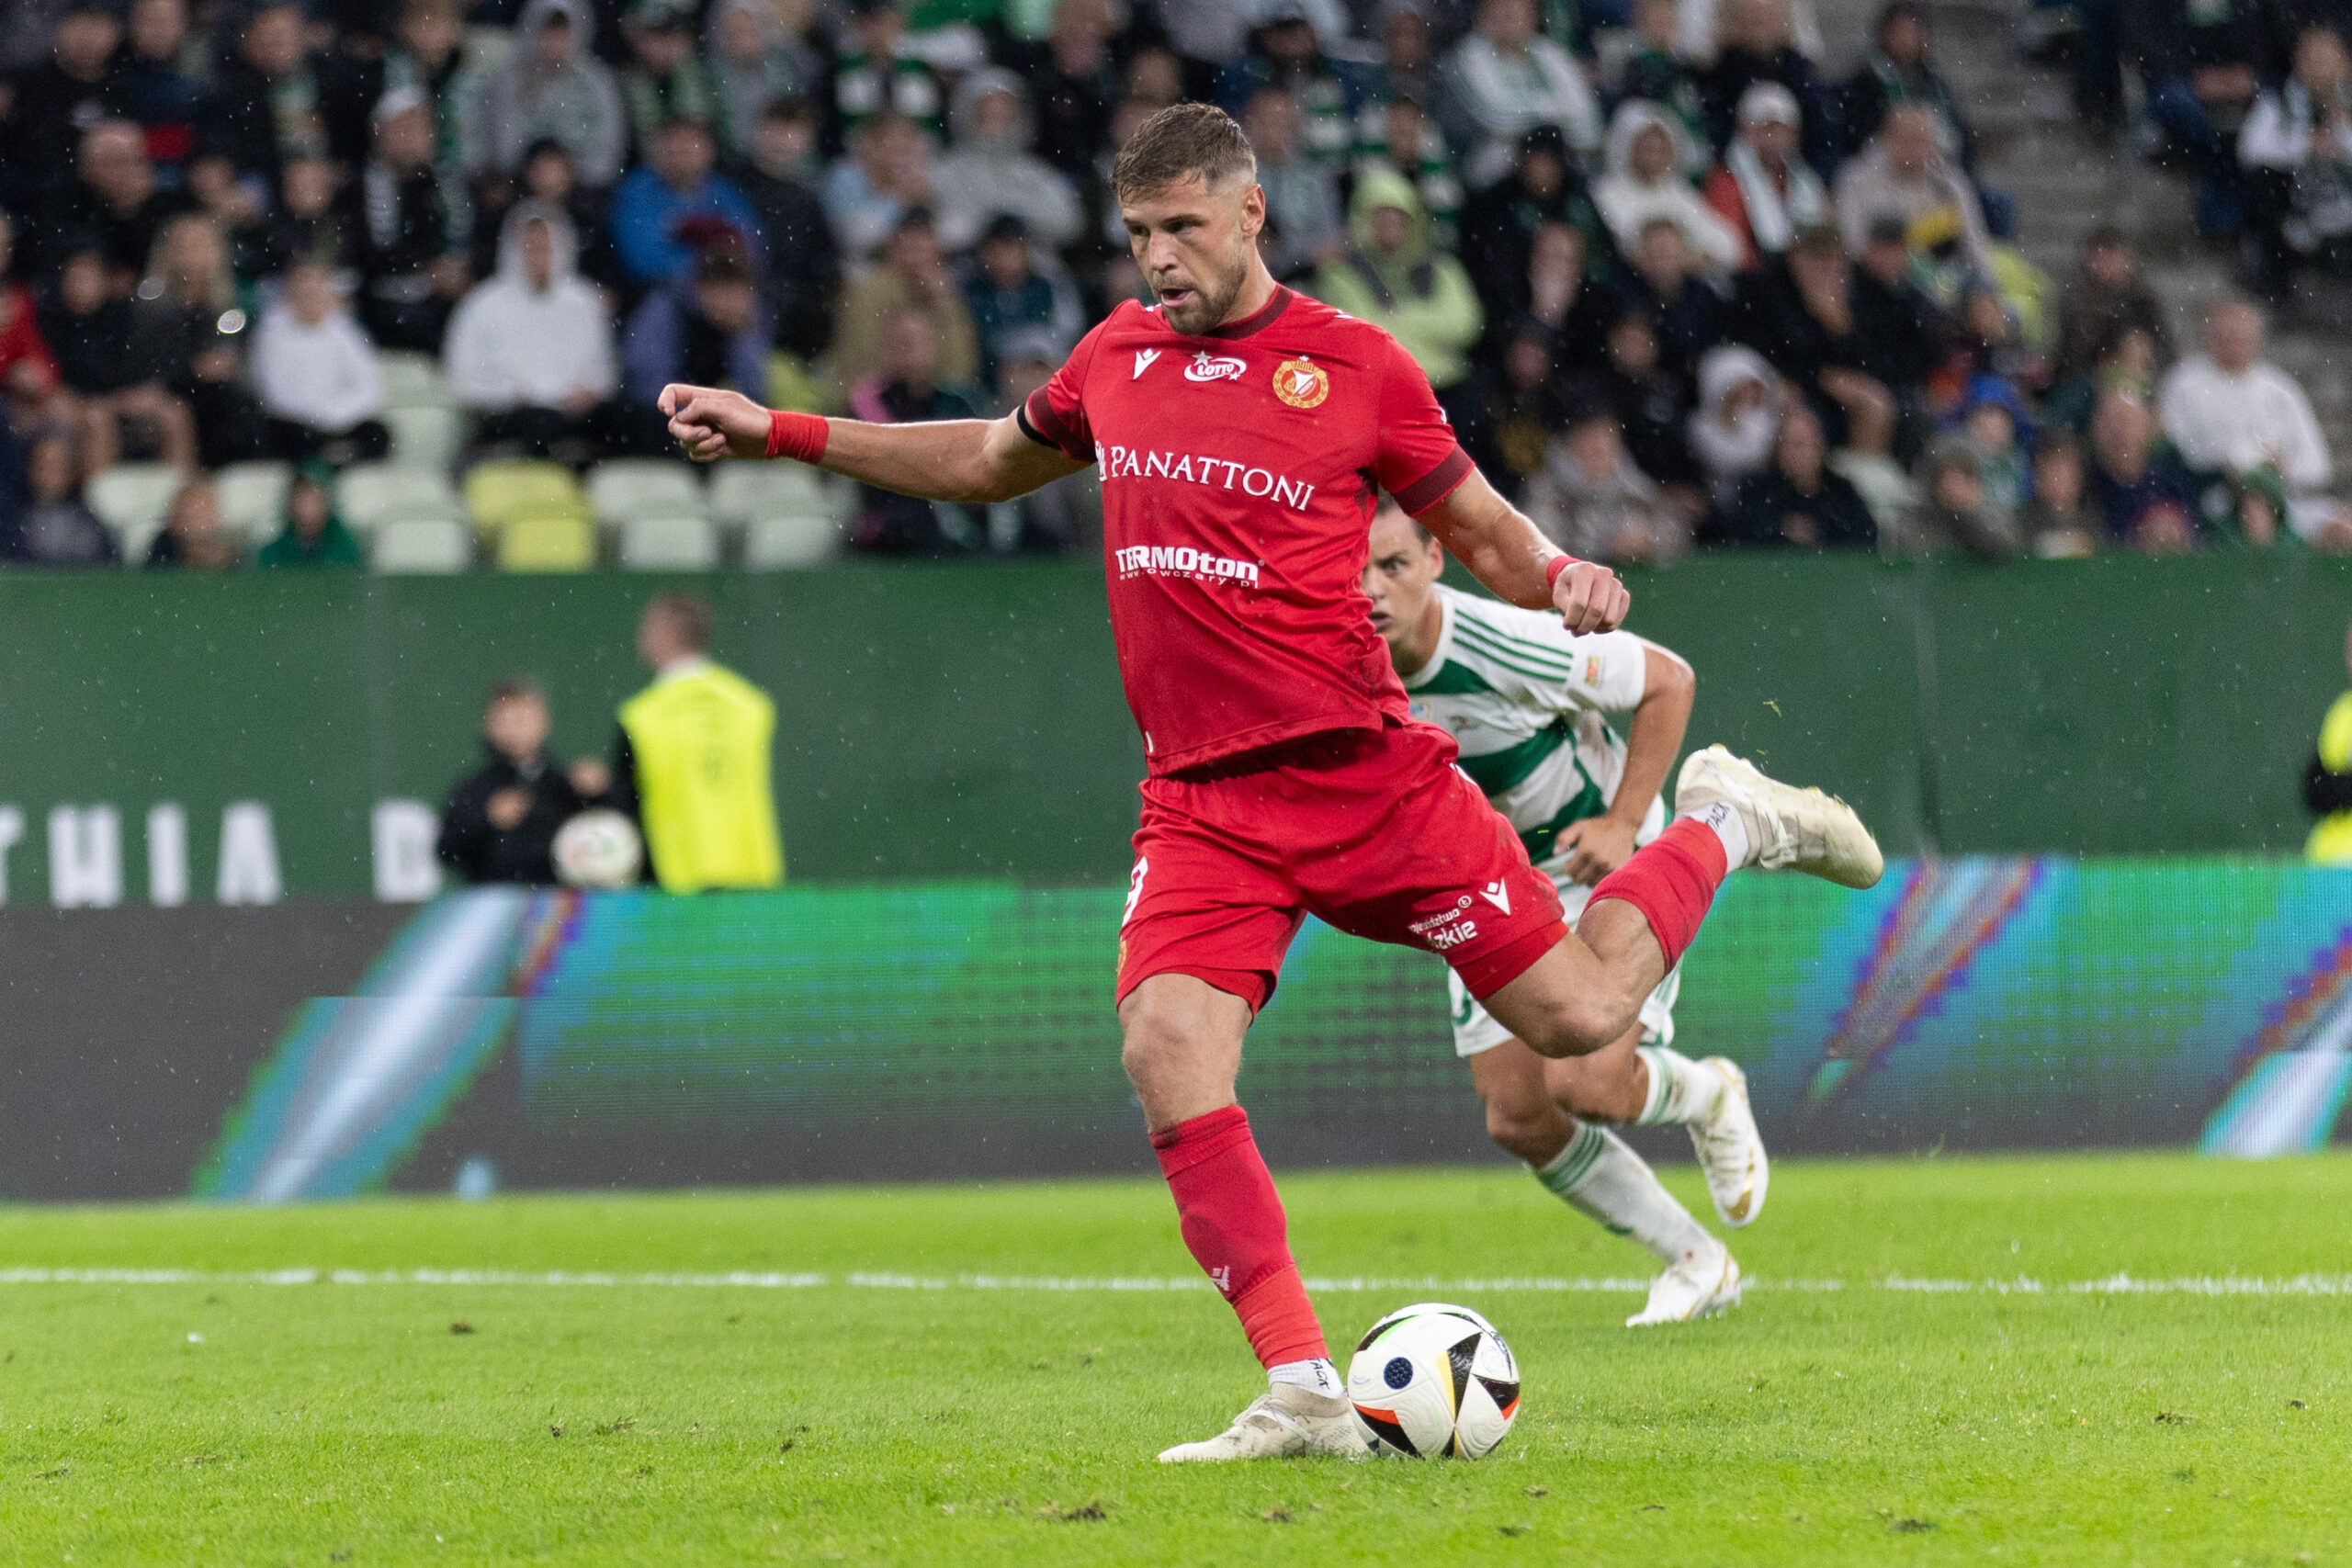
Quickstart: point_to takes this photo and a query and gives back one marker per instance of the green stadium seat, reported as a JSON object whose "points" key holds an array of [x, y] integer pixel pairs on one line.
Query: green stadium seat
{"points": [[546, 541], [498, 492], [421, 545], [367, 494], [644, 487], [669, 544]]}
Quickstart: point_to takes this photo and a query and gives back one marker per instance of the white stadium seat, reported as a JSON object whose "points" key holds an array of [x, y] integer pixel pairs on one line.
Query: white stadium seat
{"points": [[370, 493], [741, 492], [669, 544], [253, 499], [775, 541], [422, 545], [133, 495], [644, 487], [425, 435], [413, 380]]}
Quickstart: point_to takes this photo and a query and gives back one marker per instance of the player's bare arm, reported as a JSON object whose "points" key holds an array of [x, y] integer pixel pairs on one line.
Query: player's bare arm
{"points": [[1598, 845], [1510, 555], [972, 461]]}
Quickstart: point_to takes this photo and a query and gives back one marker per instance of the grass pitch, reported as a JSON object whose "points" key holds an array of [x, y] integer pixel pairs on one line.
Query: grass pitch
{"points": [[903, 1386]]}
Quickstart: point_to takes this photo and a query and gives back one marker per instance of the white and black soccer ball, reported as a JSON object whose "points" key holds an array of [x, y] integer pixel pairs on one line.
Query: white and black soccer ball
{"points": [[598, 849], [1434, 1381]]}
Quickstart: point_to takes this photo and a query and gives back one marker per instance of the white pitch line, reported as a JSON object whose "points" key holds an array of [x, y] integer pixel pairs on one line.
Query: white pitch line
{"points": [[2113, 1284]]}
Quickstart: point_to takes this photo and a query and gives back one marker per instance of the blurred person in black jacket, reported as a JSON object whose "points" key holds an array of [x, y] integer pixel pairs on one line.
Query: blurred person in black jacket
{"points": [[500, 822]]}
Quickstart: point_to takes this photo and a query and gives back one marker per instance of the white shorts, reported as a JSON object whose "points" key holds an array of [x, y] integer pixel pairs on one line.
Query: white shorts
{"points": [[1476, 1029]]}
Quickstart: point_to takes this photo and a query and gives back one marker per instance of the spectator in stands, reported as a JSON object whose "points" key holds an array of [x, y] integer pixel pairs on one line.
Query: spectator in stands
{"points": [[1798, 501], [315, 373], [1740, 404], [991, 171], [309, 224], [692, 764], [551, 180], [1516, 407], [56, 527], [530, 350], [1904, 174], [32, 391], [804, 266], [236, 204], [1891, 314], [1505, 78], [160, 79], [2058, 522], [1956, 509], [658, 208], [1301, 196], [1074, 82], [1499, 223], [499, 823], [1409, 66], [312, 534], [428, 56], [413, 228], [1284, 52], [2327, 781], [193, 538], [887, 174], [268, 102], [1762, 190], [1799, 312], [1399, 136], [1757, 45], [123, 407], [903, 388], [1393, 276], [913, 275], [1060, 518], [1644, 184], [551, 87], [756, 62], [2202, 64], [707, 329], [665, 80], [1652, 404], [2106, 295], [2228, 411], [874, 74], [1997, 428], [115, 198], [1687, 313], [1594, 502], [2138, 489], [1010, 289], [1701, 25], [1558, 297], [1897, 70], [2297, 148], [1658, 73], [188, 334], [47, 107]]}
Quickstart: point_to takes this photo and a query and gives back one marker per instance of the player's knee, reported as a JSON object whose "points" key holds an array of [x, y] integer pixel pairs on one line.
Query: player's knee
{"points": [[1574, 1025], [1153, 1038], [1525, 1125]]}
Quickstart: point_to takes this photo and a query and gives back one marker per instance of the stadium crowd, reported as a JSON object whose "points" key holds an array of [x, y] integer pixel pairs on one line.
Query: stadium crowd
{"points": [[1678, 281]]}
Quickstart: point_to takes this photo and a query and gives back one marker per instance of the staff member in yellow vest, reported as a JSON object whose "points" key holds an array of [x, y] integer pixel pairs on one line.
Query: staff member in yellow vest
{"points": [[2327, 782], [692, 764]]}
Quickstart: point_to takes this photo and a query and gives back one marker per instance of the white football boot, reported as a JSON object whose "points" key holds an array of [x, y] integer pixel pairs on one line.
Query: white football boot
{"points": [[1285, 1422], [1788, 828], [1693, 1288], [1730, 1150]]}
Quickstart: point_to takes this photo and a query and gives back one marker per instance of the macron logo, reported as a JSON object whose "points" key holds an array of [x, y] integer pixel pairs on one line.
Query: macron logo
{"points": [[1497, 895], [1144, 356]]}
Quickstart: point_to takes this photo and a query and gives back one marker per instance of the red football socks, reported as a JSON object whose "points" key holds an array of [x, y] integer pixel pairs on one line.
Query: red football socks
{"points": [[1233, 1222], [1671, 880]]}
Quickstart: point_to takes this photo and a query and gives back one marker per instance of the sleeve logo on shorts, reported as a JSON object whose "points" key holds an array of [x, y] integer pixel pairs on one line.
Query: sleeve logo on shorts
{"points": [[1301, 383]]}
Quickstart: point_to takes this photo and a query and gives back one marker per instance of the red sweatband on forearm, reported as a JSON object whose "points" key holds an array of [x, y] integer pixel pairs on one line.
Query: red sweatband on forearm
{"points": [[1552, 569], [797, 435]]}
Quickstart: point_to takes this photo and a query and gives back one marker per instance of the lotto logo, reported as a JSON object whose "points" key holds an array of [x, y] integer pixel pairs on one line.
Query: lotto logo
{"points": [[1220, 367]]}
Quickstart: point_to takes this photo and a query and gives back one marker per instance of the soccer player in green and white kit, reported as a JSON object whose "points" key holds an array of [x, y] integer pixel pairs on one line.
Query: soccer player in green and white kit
{"points": [[1532, 707]]}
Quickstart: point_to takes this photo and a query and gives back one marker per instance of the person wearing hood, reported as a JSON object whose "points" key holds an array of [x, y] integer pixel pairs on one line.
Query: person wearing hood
{"points": [[1903, 174], [1505, 78], [755, 61], [1394, 277], [551, 85], [530, 350], [991, 171], [656, 209], [313, 535], [1765, 193], [1499, 223], [1644, 182], [1739, 415]]}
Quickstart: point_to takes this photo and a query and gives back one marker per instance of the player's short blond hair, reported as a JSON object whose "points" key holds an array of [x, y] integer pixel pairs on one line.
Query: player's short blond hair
{"points": [[1181, 141]]}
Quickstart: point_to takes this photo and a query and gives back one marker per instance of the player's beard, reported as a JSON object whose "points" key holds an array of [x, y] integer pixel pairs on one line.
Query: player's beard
{"points": [[1213, 296]]}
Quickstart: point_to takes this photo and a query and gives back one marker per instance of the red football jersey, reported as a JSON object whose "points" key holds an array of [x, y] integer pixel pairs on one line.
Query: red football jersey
{"points": [[1239, 473]]}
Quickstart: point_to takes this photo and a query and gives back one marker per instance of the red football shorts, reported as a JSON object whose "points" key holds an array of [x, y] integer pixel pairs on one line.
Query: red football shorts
{"points": [[1374, 831]]}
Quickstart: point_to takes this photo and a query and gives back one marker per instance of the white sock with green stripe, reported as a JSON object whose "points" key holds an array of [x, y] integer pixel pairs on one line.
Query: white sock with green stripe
{"points": [[1681, 1091], [1599, 1177]]}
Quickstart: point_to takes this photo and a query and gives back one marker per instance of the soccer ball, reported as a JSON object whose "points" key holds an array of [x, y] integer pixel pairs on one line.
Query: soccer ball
{"points": [[1434, 1381], [598, 849]]}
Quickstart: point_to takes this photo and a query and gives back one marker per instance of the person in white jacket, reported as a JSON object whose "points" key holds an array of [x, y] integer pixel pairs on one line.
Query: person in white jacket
{"points": [[1507, 78], [992, 171], [2231, 411], [1647, 152], [530, 350], [315, 372]]}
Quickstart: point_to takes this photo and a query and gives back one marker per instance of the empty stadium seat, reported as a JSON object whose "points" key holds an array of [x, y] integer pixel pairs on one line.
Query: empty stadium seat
{"points": [[413, 380], [669, 544], [550, 541], [423, 436], [777, 540], [253, 498], [644, 487], [421, 545], [496, 493], [741, 492], [133, 497], [368, 494]]}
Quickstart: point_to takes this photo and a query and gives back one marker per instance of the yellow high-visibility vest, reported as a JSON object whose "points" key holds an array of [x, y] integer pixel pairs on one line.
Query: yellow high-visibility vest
{"points": [[701, 743], [2331, 841]]}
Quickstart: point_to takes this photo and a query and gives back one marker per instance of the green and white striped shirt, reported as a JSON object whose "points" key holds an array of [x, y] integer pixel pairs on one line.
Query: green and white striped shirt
{"points": [[1530, 703]]}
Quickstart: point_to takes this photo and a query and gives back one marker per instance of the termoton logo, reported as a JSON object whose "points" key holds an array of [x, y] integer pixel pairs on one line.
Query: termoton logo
{"points": [[1165, 560]]}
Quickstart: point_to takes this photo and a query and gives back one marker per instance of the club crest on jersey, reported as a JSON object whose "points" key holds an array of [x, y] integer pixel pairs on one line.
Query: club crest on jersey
{"points": [[1301, 383], [1206, 366]]}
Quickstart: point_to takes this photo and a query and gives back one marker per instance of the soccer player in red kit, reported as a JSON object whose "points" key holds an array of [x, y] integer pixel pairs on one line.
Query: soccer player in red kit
{"points": [[1243, 434]]}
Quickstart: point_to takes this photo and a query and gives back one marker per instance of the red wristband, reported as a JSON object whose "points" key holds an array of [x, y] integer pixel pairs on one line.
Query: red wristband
{"points": [[1552, 569], [798, 436]]}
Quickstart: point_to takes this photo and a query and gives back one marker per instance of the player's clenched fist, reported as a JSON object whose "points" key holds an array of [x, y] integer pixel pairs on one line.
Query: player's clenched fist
{"points": [[1589, 598], [710, 423]]}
